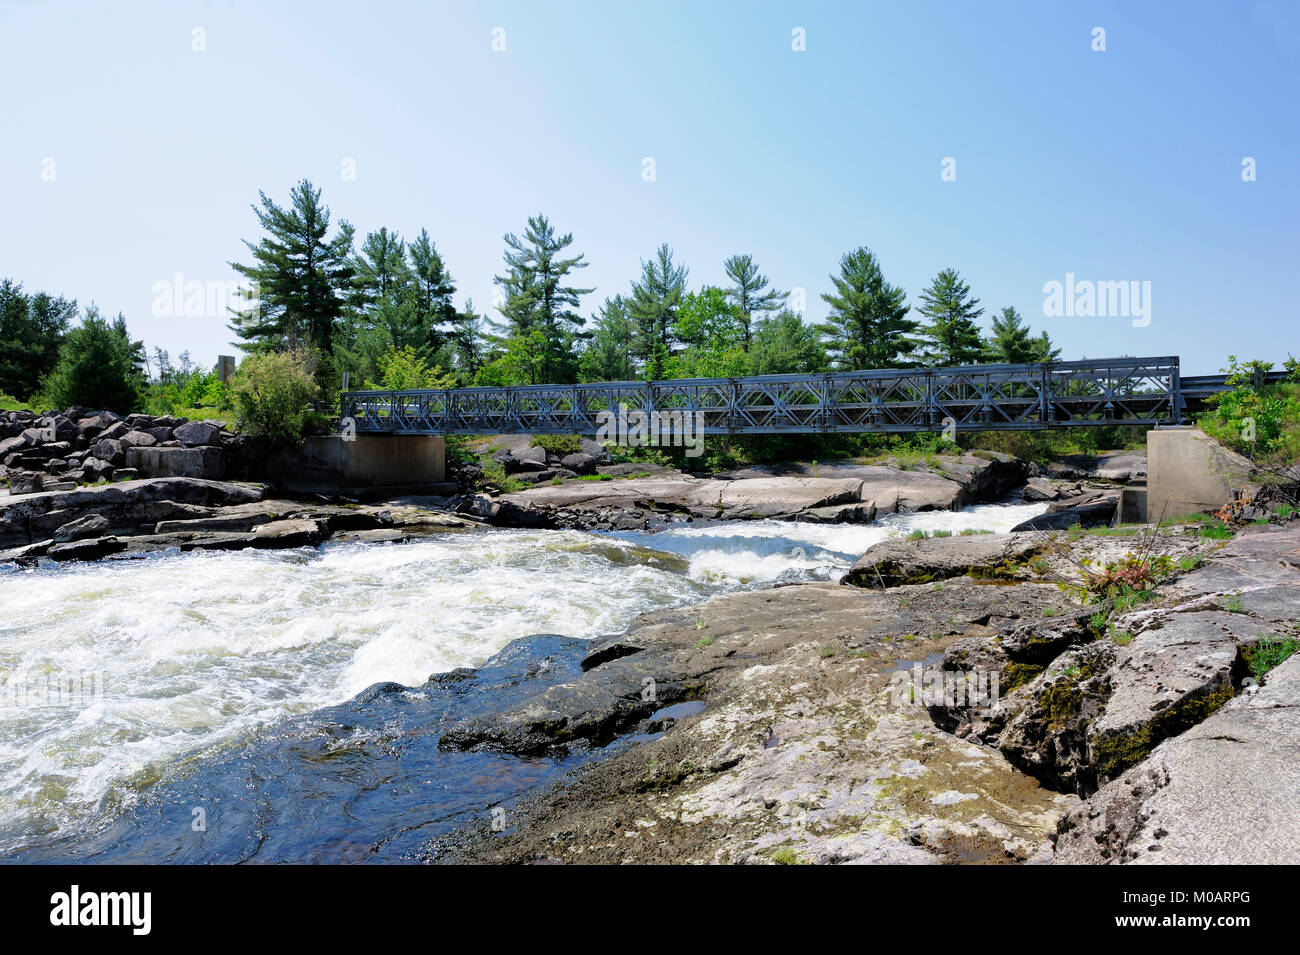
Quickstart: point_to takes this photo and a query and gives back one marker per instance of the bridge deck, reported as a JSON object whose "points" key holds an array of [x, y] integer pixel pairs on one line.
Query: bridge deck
{"points": [[1137, 391]]}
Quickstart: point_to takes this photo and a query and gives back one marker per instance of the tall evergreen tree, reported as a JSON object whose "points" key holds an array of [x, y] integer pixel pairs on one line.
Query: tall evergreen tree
{"points": [[301, 275], [952, 334], [868, 325], [653, 308], [608, 355], [1011, 341], [96, 367], [536, 297], [32, 328], [380, 268], [784, 345], [750, 294], [435, 288], [1043, 349], [135, 350], [468, 342]]}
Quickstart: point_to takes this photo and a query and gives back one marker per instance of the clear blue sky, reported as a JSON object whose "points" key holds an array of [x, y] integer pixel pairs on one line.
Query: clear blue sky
{"points": [[1116, 165]]}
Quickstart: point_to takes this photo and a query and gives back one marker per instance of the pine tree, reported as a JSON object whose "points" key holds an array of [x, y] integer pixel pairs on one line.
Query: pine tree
{"points": [[380, 268], [750, 293], [653, 307], [468, 342], [96, 367], [300, 275], [135, 350], [1011, 341], [435, 312], [784, 345], [32, 327], [536, 299], [608, 355], [952, 335], [1043, 350], [868, 325]]}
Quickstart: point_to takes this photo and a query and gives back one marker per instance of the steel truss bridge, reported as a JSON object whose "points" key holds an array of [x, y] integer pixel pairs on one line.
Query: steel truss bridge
{"points": [[1069, 394]]}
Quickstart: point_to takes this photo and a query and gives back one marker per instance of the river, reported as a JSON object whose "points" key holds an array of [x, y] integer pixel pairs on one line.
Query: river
{"points": [[114, 673]]}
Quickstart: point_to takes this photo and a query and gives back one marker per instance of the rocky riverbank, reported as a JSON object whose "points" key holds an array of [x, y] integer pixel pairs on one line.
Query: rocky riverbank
{"points": [[792, 724], [148, 516], [62, 514], [833, 493], [775, 729]]}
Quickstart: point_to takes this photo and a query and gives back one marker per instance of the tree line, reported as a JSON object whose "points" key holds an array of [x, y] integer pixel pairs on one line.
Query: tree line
{"points": [[384, 314], [351, 308]]}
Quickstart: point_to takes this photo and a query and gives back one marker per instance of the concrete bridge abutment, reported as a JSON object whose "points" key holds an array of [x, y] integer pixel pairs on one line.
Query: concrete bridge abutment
{"points": [[361, 463]]}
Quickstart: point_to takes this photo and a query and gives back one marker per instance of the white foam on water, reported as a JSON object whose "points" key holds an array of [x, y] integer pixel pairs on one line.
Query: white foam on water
{"points": [[756, 552], [192, 651]]}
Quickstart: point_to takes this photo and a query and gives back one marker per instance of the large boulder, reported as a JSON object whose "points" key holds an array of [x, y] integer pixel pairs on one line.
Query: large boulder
{"points": [[770, 497], [524, 459], [1222, 793], [110, 450], [9, 445], [82, 528], [197, 462], [94, 469], [198, 433], [137, 439], [27, 482], [1092, 509], [899, 561], [289, 533], [579, 462]]}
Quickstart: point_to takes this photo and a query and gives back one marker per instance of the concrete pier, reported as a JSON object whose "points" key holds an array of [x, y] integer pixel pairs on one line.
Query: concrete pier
{"points": [[1189, 472], [392, 463]]}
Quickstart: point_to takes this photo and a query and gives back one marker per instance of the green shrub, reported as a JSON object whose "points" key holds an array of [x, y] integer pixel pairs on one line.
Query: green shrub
{"points": [[558, 444], [1256, 419], [403, 369], [271, 396], [96, 369]]}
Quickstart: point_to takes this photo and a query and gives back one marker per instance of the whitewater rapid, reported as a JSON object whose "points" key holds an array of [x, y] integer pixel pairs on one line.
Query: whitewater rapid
{"points": [[111, 673]]}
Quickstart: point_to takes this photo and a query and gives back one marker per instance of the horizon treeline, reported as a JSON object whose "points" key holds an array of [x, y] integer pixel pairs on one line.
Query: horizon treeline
{"points": [[352, 309], [353, 306]]}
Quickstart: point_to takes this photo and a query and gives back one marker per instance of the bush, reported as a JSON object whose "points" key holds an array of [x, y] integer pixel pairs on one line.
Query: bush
{"points": [[271, 393], [96, 369], [1258, 420], [191, 394], [558, 444]]}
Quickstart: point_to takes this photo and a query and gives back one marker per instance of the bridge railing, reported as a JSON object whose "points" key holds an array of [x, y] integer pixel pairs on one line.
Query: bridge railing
{"points": [[1002, 397]]}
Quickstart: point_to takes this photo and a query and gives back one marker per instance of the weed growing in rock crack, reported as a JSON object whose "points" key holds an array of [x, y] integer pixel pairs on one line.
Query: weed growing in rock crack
{"points": [[942, 534], [826, 652], [1268, 653], [787, 856], [1122, 638], [1233, 604], [1217, 531], [1039, 566], [705, 642]]}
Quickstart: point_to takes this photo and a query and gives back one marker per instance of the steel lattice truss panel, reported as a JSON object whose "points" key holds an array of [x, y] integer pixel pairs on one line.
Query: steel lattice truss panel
{"points": [[1138, 391]]}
